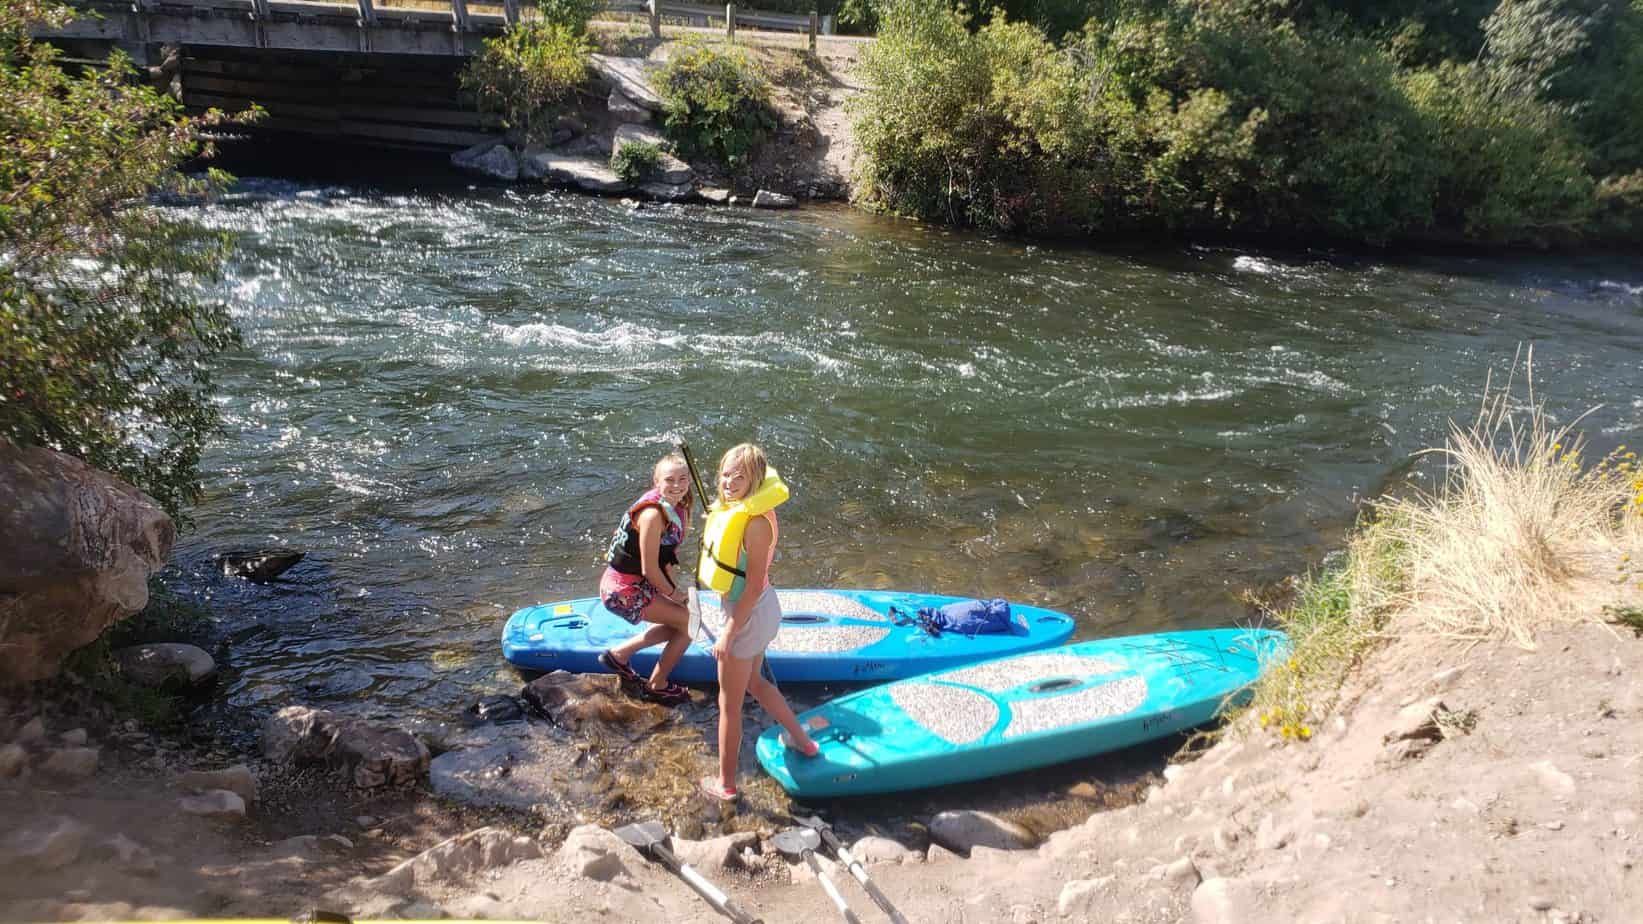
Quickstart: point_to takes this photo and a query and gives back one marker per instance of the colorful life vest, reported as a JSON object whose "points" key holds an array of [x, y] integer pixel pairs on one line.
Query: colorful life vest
{"points": [[623, 553], [721, 565]]}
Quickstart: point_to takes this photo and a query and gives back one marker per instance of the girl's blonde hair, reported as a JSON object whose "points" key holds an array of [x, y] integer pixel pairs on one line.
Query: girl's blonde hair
{"points": [[750, 459], [683, 508]]}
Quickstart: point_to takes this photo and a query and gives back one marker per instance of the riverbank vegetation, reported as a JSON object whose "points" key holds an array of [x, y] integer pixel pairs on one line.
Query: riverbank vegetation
{"points": [[106, 331], [529, 74], [715, 102], [1510, 121], [1521, 535]]}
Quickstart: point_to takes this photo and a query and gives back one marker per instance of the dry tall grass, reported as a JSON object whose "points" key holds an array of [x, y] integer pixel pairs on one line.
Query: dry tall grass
{"points": [[1519, 535]]}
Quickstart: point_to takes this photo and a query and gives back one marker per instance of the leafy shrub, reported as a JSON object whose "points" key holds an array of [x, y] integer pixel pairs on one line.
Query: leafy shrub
{"points": [[526, 74], [634, 159], [106, 337], [571, 14], [715, 103]]}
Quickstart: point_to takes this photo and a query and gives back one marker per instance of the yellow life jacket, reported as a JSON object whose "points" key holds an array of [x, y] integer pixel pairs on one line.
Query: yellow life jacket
{"points": [[720, 566]]}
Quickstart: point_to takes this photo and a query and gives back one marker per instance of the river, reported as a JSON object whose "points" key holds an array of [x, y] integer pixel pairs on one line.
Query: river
{"points": [[447, 396]]}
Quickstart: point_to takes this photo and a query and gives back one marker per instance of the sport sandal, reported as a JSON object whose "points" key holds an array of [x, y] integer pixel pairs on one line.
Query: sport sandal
{"points": [[622, 670], [710, 786], [670, 695]]}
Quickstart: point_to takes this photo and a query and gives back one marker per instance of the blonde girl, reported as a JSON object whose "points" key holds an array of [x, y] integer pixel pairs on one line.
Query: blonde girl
{"points": [[753, 617]]}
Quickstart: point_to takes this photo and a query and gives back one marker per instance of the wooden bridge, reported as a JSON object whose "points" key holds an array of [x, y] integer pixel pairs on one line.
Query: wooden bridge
{"points": [[379, 72]]}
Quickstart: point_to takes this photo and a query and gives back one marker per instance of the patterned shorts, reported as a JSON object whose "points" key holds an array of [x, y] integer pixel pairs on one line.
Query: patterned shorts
{"points": [[626, 595]]}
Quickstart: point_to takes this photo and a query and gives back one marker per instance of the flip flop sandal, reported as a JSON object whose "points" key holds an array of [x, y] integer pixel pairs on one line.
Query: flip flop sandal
{"points": [[709, 786], [670, 695], [624, 671]]}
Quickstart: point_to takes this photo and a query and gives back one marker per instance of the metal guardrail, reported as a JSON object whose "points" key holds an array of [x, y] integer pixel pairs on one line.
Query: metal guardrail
{"points": [[729, 15]]}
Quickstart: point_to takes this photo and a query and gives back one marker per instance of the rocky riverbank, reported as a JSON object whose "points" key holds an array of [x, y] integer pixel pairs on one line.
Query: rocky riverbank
{"points": [[1475, 783], [809, 157]]}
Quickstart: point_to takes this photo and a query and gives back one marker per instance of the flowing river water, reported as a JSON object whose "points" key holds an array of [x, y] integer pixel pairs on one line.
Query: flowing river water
{"points": [[446, 397]]}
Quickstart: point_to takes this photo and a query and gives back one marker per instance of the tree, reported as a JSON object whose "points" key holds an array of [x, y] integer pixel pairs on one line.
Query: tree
{"points": [[106, 330]]}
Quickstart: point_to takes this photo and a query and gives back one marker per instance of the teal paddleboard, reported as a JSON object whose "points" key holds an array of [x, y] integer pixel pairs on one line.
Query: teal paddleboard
{"points": [[1020, 712], [826, 636]]}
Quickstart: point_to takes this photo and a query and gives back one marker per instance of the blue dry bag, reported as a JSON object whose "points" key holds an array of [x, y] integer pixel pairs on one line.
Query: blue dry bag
{"points": [[967, 617]]}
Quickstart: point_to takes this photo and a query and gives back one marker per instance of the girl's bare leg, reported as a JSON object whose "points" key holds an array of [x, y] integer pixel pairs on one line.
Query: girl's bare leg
{"points": [[733, 676], [776, 705]]}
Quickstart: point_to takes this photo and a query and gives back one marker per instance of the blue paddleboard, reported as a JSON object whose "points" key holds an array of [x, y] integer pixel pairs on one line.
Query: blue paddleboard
{"points": [[1020, 712], [826, 636]]}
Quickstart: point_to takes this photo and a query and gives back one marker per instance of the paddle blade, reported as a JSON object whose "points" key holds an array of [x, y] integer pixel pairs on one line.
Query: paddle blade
{"points": [[693, 605], [644, 835]]}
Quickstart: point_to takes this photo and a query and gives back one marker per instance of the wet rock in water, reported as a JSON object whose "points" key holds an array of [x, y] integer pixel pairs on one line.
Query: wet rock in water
{"points": [[215, 803], [572, 700], [74, 738], [1110, 579], [961, 830], [166, 665], [47, 844], [490, 159], [591, 852], [373, 756], [768, 199], [71, 763], [495, 709], [260, 565], [518, 767], [1175, 526], [714, 194], [668, 192], [236, 779], [13, 760], [460, 857]]}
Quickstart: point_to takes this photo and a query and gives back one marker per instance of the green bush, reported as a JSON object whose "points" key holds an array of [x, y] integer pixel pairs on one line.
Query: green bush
{"points": [[106, 332], [634, 159], [715, 103], [526, 74]]}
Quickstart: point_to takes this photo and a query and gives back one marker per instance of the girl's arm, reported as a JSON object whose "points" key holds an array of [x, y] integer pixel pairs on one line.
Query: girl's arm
{"points": [[651, 524]]}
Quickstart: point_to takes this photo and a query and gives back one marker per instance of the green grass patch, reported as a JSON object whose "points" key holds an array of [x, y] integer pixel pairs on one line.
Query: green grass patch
{"points": [[1629, 616], [634, 159]]}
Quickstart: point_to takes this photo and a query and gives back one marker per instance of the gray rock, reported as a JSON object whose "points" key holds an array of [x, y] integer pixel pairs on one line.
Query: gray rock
{"points": [[529, 167], [34, 730], [961, 830], [629, 75], [482, 907], [75, 738], [626, 110], [1553, 779], [13, 760], [166, 664], [590, 174], [513, 769], [1184, 873], [236, 779], [71, 763], [637, 134], [874, 849], [665, 192], [1270, 835], [1418, 721], [939, 854], [766, 199], [1078, 895], [492, 159], [372, 756], [717, 854], [1219, 901], [132, 856], [460, 857], [79, 547], [714, 195], [215, 803], [591, 852], [47, 844], [421, 911]]}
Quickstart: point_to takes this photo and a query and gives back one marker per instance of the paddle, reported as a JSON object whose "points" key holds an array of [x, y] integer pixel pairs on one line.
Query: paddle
{"points": [[825, 831], [651, 840], [802, 843]]}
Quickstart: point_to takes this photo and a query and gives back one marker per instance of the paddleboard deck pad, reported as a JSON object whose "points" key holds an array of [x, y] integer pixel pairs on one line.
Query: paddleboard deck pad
{"points": [[826, 636], [1020, 712]]}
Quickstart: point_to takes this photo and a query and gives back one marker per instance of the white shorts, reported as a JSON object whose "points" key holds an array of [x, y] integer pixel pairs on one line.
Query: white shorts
{"points": [[762, 625]]}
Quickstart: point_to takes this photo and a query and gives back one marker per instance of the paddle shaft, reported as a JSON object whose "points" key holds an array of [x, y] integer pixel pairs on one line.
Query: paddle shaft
{"points": [[831, 890], [856, 870], [721, 902]]}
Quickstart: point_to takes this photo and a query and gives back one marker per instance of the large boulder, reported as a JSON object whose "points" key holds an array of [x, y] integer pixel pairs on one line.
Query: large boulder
{"points": [[80, 546], [625, 110], [589, 174], [491, 159], [629, 75], [372, 756], [669, 170]]}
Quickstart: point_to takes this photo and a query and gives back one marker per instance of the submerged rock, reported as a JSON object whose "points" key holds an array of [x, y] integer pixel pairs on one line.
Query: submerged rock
{"points": [[166, 664], [259, 565], [495, 709], [372, 756], [766, 199]]}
